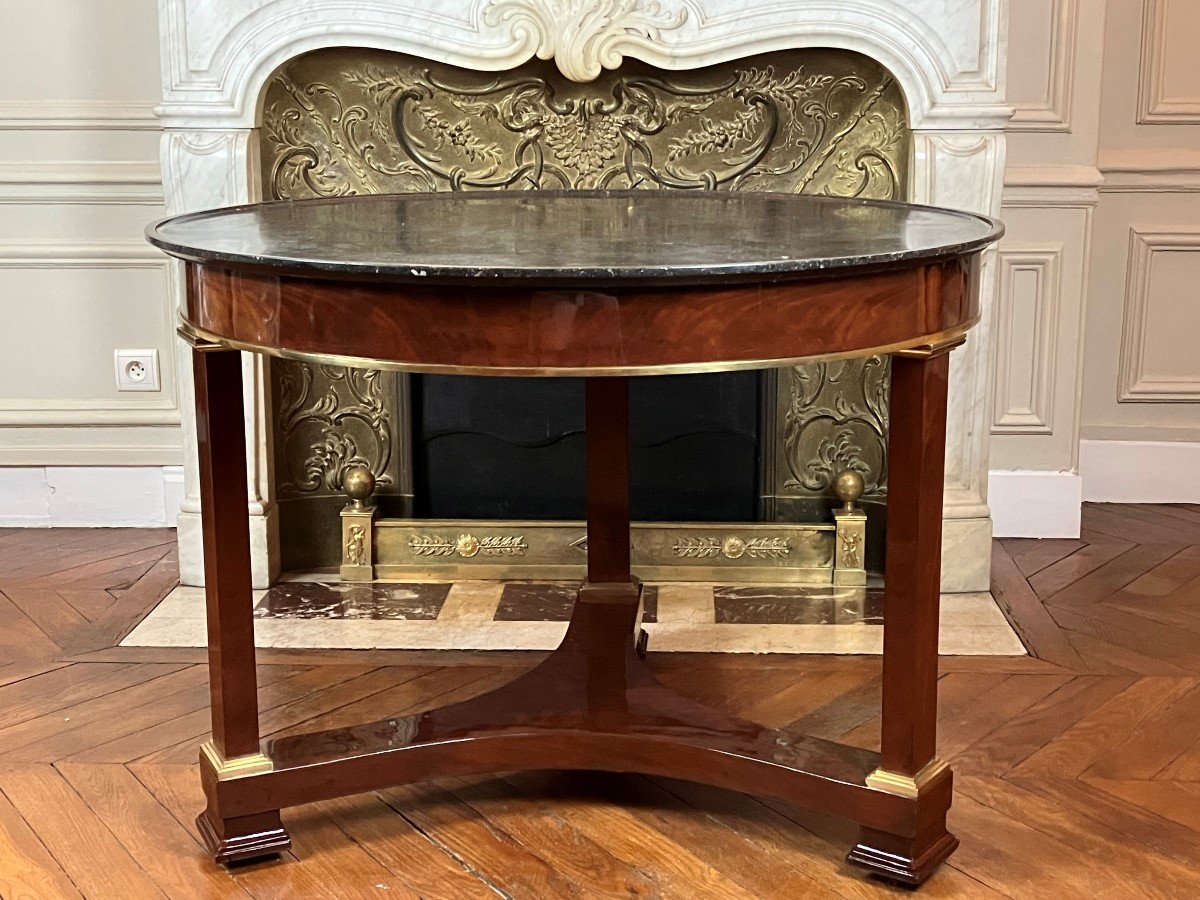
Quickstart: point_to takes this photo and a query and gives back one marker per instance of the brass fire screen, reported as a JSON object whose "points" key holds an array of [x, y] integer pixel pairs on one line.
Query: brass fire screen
{"points": [[352, 121]]}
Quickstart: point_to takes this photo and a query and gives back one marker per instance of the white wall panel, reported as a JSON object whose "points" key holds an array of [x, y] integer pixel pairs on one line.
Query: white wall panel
{"points": [[1027, 316], [1041, 87], [79, 180], [1159, 360], [1168, 77]]}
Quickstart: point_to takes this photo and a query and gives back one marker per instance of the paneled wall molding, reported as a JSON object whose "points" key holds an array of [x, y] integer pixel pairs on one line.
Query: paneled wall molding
{"points": [[66, 446], [76, 413], [1134, 384], [1053, 113], [150, 410], [72, 182], [75, 115], [86, 254], [1029, 308], [1059, 187], [1161, 171], [1154, 433], [1154, 106]]}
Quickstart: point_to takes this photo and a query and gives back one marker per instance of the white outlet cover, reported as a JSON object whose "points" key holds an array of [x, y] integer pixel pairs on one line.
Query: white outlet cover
{"points": [[130, 364]]}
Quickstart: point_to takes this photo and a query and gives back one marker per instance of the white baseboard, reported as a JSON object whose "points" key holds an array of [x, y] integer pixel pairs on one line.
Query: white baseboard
{"points": [[1035, 504], [1024, 504], [90, 496], [1140, 471], [1046, 504]]}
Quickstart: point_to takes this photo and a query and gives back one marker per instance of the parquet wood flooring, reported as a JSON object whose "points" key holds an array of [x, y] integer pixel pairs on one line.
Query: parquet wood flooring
{"points": [[1078, 767]]}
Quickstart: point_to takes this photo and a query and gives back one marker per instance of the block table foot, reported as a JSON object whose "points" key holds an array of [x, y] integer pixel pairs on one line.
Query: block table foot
{"points": [[906, 860], [243, 838]]}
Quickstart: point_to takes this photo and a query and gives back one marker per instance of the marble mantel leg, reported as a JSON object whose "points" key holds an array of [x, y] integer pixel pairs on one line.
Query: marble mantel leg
{"points": [[965, 170], [205, 169]]}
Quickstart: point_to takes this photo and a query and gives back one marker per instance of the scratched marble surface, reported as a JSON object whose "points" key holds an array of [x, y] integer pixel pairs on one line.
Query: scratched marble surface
{"points": [[324, 600], [575, 237], [797, 605], [316, 612]]}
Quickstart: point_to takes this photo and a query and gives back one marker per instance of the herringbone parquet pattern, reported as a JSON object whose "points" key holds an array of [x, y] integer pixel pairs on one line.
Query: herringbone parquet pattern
{"points": [[1078, 769]]}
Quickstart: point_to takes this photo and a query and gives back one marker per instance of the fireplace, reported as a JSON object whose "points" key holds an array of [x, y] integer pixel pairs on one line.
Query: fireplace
{"points": [[740, 447], [937, 66]]}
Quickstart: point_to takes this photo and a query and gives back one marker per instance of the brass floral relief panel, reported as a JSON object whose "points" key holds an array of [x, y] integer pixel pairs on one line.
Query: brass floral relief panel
{"points": [[329, 419], [354, 121]]}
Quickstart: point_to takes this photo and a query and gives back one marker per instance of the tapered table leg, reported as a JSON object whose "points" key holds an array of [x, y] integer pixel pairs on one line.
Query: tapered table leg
{"points": [[234, 748], [908, 764]]}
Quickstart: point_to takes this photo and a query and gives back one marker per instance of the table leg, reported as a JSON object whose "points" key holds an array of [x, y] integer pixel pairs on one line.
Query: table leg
{"points": [[234, 749], [593, 703], [608, 601], [908, 763], [607, 422]]}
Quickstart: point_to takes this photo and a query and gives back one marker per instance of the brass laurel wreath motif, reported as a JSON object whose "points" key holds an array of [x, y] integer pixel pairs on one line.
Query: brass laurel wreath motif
{"points": [[353, 121], [467, 545], [732, 547]]}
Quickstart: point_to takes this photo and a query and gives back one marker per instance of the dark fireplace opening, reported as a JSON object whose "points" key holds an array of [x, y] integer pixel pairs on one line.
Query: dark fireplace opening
{"points": [[507, 448]]}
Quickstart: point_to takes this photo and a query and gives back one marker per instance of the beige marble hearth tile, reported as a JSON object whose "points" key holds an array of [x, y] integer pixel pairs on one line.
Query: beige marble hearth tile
{"points": [[164, 631], [691, 604], [974, 641], [972, 610], [187, 602], [739, 638], [363, 634], [972, 624], [471, 601], [184, 602]]}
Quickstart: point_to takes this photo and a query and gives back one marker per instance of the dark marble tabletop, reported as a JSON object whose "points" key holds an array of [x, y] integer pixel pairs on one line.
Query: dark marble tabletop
{"points": [[573, 238]]}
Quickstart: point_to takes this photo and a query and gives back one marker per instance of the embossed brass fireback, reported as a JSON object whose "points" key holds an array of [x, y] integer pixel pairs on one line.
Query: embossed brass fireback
{"points": [[346, 121]]}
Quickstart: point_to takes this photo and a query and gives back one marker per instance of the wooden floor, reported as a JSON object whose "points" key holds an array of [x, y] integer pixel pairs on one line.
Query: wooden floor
{"points": [[1078, 770]]}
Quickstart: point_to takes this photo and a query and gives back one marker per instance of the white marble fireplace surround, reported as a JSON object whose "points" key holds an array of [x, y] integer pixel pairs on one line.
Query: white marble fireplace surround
{"points": [[948, 56]]}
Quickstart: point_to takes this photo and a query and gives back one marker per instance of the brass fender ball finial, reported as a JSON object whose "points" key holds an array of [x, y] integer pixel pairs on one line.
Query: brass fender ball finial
{"points": [[358, 484], [848, 486]]}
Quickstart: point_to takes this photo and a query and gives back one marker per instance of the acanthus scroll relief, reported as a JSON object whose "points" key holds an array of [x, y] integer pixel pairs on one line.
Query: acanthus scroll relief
{"points": [[836, 418], [329, 419], [355, 121]]}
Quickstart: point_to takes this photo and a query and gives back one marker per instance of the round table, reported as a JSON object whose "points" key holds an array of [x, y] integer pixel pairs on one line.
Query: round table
{"points": [[603, 285]]}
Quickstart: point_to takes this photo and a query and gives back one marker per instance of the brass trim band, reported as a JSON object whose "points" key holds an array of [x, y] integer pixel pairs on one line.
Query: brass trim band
{"points": [[237, 766], [905, 785], [919, 347], [194, 340], [934, 348]]}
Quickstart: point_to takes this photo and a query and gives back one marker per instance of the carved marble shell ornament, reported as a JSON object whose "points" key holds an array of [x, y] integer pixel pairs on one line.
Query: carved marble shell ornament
{"points": [[585, 36]]}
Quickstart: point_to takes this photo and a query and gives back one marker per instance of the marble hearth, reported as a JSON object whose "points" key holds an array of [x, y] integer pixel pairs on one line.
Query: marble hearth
{"points": [[319, 612]]}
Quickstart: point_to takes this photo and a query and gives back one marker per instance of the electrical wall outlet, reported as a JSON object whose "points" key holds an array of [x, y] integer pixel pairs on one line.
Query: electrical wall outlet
{"points": [[137, 370]]}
